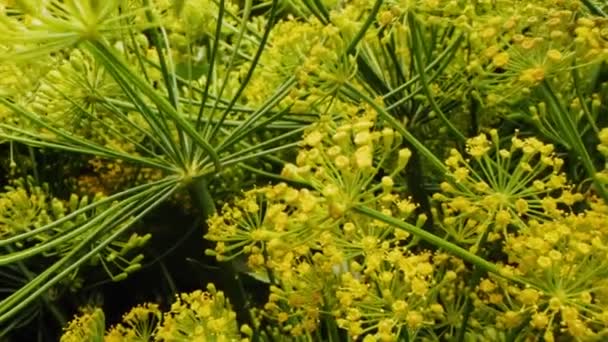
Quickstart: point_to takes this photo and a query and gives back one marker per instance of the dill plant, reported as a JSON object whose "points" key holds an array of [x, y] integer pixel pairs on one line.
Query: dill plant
{"points": [[386, 170]]}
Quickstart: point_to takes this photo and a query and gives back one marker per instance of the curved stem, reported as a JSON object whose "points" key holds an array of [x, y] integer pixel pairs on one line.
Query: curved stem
{"points": [[435, 240]]}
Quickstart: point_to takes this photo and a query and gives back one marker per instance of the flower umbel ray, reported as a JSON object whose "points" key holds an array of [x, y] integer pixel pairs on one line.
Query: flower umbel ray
{"points": [[36, 28]]}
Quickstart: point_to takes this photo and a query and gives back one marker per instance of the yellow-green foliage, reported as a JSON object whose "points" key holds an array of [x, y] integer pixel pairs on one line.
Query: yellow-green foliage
{"points": [[432, 169]]}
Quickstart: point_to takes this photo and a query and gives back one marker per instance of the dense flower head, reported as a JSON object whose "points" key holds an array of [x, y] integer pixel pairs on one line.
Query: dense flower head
{"points": [[310, 51], [200, 316], [139, 325], [305, 241], [88, 326], [400, 294], [517, 46], [564, 263], [23, 207], [342, 159], [197, 316], [301, 293], [494, 188]]}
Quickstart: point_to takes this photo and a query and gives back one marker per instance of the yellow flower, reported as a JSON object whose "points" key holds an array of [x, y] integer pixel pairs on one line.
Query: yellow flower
{"points": [[500, 187]]}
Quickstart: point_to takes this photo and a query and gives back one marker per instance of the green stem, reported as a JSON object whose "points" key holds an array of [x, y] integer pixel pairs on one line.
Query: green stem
{"points": [[371, 18], [468, 304], [418, 64], [593, 8], [435, 240], [568, 129], [199, 191], [50, 305]]}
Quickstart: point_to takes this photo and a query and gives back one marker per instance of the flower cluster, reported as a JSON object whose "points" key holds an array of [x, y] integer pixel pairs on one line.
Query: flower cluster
{"points": [[308, 242], [398, 295], [88, 326], [495, 188], [200, 316], [516, 47], [139, 324], [196, 316], [564, 263], [310, 51]]}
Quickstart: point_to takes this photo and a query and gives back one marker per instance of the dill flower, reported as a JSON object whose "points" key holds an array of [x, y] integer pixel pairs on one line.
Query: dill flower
{"points": [[338, 170], [303, 240], [301, 293], [35, 28], [289, 44], [273, 220], [564, 261], [311, 52], [88, 326], [139, 325], [496, 187], [195, 20], [342, 158], [199, 316], [23, 207], [399, 297], [516, 47]]}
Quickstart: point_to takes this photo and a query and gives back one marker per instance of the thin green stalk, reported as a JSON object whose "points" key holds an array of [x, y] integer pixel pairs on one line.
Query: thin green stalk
{"points": [[158, 124], [105, 54], [24, 296], [238, 133], [256, 58], [82, 145], [229, 160], [435, 240], [56, 311], [593, 8], [579, 93], [233, 57], [570, 133], [160, 43], [250, 148], [311, 6], [442, 60], [371, 18], [418, 64], [468, 304], [214, 49], [34, 164]]}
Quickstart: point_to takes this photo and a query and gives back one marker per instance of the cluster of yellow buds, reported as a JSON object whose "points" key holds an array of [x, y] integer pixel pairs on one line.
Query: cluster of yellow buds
{"points": [[195, 316], [495, 188], [564, 262]]}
